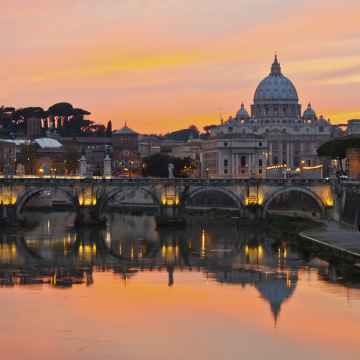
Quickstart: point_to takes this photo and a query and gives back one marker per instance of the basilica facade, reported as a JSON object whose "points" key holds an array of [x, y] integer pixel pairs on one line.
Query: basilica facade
{"points": [[275, 132]]}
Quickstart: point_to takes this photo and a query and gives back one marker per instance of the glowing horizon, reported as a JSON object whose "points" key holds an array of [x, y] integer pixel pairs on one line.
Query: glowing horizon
{"points": [[168, 65]]}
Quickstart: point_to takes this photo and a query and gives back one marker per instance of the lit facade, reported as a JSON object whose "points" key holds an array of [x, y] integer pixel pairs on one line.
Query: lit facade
{"points": [[234, 157], [126, 157]]}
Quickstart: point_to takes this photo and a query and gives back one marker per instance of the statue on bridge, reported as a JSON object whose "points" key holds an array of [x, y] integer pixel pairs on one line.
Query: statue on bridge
{"points": [[107, 164], [171, 168], [83, 171]]}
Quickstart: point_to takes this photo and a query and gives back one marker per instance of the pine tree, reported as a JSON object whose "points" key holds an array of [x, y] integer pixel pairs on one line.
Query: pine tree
{"points": [[109, 129]]}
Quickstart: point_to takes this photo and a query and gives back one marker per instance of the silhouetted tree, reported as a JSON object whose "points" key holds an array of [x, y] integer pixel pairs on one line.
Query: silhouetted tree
{"points": [[184, 134], [157, 165], [109, 129], [336, 149], [67, 120], [71, 159], [70, 121], [27, 157]]}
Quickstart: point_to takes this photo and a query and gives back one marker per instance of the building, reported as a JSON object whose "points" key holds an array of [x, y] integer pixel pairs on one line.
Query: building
{"points": [[353, 127], [125, 156], [234, 156], [291, 136], [49, 157], [93, 148], [7, 156], [149, 145], [353, 163], [183, 149]]}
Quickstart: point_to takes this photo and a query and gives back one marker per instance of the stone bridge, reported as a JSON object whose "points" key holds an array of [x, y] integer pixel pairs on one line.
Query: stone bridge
{"points": [[89, 197]]}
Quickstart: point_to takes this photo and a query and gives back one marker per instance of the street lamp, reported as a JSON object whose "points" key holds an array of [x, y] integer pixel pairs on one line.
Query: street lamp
{"points": [[131, 168]]}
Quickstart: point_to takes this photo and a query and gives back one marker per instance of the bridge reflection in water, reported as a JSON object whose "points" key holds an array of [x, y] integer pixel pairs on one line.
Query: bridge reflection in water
{"points": [[57, 256]]}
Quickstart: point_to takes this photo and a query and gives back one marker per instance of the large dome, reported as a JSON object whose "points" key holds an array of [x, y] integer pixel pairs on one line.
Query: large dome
{"points": [[275, 87]]}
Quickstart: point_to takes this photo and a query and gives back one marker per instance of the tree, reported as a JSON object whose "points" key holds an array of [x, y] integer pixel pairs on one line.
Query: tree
{"points": [[70, 120], [5, 121], [184, 134], [28, 156], [71, 159], [109, 129], [20, 116], [336, 149], [157, 165]]}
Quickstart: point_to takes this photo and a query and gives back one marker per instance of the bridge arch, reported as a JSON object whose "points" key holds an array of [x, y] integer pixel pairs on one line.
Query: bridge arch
{"points": [[112, 194], [29, 194], [210, 196], [318, 201]]}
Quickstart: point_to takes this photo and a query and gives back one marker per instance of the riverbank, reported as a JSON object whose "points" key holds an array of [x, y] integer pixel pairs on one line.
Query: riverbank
{"points": [[338, 239], [331, 241]]}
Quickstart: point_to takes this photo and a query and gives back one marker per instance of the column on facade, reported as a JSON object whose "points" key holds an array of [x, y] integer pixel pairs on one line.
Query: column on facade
{"points": [[280, 152], [237, 162], [270, 155], [233, 165], [288, 160], [291, 153], [302, 149], [250, 167], [253, 165], [218, 165]]}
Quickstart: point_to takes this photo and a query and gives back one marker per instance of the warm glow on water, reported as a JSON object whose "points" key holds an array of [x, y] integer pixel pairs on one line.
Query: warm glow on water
{"points": [[265, 303]]}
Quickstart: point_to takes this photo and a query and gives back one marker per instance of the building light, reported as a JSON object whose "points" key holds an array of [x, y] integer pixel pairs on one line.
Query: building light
{"points": [[329, 201], [280, 166], [203, 244], [312, 167]]}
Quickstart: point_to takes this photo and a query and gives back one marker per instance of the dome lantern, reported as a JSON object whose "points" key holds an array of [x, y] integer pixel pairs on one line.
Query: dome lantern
{"points": [[242, 114], [275, 67], [309, 113]]}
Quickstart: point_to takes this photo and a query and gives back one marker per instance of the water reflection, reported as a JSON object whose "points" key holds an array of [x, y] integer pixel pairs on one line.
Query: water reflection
{"points": [[56, 255]]}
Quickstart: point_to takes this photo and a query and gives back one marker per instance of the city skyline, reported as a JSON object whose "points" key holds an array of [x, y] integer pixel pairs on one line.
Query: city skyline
{"points": [[162, 66]]}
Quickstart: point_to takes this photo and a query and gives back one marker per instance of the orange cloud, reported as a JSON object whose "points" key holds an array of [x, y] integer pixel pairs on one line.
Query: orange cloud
{"points": [[183, 64]]}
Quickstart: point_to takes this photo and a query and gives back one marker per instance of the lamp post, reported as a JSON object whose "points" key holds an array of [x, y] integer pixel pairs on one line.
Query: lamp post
{"points": [[131, 164]]}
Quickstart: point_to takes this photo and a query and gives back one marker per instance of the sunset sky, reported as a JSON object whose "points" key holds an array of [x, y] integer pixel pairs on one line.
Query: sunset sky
{"points": [[165, 64]]}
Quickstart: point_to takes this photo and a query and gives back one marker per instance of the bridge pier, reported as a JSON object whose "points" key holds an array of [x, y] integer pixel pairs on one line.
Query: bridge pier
{"points": [[255, 212], [170, 215], [8, 214]]}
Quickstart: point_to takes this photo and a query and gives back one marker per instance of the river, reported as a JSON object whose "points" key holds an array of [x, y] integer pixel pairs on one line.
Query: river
{"points": [[211, 291]]}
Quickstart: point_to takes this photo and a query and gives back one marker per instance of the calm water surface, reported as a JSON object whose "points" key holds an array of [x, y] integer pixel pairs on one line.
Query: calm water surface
{"points": [[132, 292]]}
